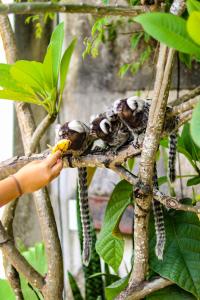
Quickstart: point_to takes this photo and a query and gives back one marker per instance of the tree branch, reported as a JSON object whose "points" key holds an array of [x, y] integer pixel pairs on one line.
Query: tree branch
{"points": [[144, 289], [185, 106], [18, 261], [44, 7], [191, 94], [39, 132]]}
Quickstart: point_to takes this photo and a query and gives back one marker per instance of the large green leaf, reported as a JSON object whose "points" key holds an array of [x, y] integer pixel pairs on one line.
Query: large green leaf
{"points": [[6, 80], [53, 56], [64, 67], [116, 287], [74, 287], [17, 96], [182, 251], [29, 73], [170, 30], [193, 181], [110, 244], [193, 25], [195, 125], [6, 292], [193, 5], [174, 292], [187, 147]]}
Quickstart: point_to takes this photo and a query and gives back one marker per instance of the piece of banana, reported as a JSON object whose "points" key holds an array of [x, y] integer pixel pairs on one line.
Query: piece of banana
{"points": [[62, 145]]}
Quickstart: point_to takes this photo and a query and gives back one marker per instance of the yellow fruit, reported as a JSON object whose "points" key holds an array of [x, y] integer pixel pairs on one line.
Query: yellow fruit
{"points": [[62, 145]]}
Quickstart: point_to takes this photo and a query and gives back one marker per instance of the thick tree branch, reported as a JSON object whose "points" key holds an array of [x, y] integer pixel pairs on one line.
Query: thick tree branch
{"points": [[44, 7], [145, 289], [190, 95], [150, 146], [18, 261]]}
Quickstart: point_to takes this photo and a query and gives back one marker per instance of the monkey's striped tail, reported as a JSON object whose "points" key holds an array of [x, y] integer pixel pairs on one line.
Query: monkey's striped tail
{"points": [[172, 156], [85, 215], [159, 221]]}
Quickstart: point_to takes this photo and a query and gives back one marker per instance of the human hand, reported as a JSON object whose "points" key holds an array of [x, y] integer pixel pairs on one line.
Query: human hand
{"points": [[38, 174]]}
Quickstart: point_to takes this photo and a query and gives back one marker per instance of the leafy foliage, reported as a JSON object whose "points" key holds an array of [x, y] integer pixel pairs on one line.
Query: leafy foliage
{"points": [[106, 31], [38, 83], [110, 244], [181, 257], [6, 290], [36, 257], [115, 288], [169, 29], [175, 293]]}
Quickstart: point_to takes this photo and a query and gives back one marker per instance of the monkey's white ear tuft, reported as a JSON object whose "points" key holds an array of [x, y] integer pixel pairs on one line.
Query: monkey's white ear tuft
{"points": [[93, 117], [77, 126], [103, 127], [115, 105], [131, 102], [57, 129]]}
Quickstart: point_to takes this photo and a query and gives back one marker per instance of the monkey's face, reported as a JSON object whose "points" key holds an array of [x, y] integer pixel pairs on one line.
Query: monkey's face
{"points": [[129, 111], [100, 127], [76, 132]]}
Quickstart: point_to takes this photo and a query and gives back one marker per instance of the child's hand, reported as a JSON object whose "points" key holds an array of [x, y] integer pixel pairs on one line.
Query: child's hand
{"points": [[37, 174]]}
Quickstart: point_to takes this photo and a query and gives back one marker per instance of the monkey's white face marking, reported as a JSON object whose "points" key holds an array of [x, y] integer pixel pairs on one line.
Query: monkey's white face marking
{"points": [[103, 126], [77, 126]]}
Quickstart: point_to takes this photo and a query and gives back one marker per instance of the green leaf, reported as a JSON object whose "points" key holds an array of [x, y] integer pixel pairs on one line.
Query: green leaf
{"points": [[6, 80], [193, 24], [109, 246], [17, 96], [74, 287], [29, 74], [6, 291], [64, 67], [162, 180], [175, 293], [135, 39], [185, 141], [193, 5], [116, 287], [181, 255], [53, 55], [36, 257], [170, 30], [193, 181], [124, 69], [195, 125]]}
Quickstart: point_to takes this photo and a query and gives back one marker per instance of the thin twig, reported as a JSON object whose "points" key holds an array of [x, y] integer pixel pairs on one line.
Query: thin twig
{"points": [[39, 132]]}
